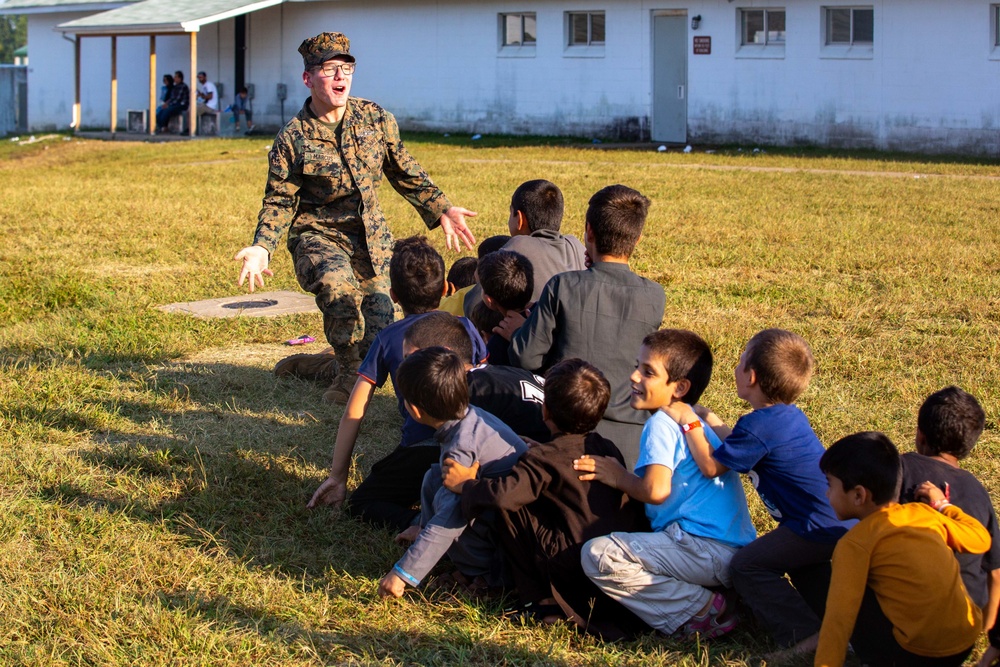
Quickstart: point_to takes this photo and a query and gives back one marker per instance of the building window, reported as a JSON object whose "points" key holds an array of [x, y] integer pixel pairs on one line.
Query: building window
{"points": [[586, 28], [849, 26], [762, 27], [518, 29], [995, 27]]}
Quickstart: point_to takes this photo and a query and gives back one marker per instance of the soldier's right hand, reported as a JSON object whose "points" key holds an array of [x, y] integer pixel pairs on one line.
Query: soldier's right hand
{"points": [[255, 260]]}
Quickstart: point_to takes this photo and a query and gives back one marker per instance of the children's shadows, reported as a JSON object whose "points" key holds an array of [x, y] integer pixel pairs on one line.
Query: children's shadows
{"points": [[341, 635], [228, 456]]}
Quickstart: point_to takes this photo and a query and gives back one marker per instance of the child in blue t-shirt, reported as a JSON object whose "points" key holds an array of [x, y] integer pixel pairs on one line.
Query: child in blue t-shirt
{"points": [[777, 447], [392, 488], [699, 524]]}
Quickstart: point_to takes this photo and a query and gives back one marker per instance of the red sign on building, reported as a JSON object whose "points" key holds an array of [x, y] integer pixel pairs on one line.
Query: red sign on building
{"points": [[703, 46]]}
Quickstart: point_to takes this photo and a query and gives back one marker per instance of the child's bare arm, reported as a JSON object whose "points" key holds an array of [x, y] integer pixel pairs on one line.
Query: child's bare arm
{"points": [[962, 532], [701, 448], [993, 603], [652, 488], [720, 427], [333, 491]]}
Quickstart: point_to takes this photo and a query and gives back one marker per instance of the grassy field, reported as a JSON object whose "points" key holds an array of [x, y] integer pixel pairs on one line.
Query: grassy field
{"points": [[154, 475]]}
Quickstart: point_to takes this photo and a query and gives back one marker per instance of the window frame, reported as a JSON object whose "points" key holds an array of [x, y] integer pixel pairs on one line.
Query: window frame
{"points": [[767, 49], [850, 49], [502, 30], [592, 48], [994, 53]]}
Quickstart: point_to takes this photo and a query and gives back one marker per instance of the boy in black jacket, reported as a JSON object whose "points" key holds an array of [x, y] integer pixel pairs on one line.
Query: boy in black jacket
{"points": [[547, 513]]}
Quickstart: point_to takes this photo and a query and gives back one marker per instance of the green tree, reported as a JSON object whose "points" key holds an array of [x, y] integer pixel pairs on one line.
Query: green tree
{"points": [[13, 35]]}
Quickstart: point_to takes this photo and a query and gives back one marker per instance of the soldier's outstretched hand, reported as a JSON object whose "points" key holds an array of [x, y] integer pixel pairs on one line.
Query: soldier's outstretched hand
{"points": [[455, 230], [255, 260]]}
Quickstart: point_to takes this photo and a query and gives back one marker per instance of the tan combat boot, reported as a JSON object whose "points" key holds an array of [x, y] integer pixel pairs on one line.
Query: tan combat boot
{"points": [[340, 389], [319, 366]]}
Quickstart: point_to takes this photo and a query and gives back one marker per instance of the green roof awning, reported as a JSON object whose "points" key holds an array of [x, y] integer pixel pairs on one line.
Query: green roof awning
{"points": [[21, 52], [157, 17]]}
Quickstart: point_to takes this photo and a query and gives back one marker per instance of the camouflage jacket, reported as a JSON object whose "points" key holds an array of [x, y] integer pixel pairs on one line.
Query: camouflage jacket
{"points": [[317, 183]]}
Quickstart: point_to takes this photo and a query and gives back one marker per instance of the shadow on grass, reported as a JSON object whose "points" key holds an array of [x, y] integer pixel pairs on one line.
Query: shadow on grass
{"points": [[452, 632], [233, 460], [344, 635]]}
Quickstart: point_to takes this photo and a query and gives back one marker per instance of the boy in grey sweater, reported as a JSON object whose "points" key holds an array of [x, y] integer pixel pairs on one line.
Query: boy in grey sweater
{"points": [[435, 391]]}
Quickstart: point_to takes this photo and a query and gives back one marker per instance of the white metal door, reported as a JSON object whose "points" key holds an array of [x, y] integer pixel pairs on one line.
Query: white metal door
{"points": [[669, 50]]}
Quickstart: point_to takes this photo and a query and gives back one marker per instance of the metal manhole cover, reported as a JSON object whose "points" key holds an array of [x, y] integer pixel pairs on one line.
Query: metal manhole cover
{"points": [[253, 303]]}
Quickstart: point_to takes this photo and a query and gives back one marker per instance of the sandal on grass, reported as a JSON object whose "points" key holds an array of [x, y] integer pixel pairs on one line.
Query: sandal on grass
{"points": [[537, 612]]}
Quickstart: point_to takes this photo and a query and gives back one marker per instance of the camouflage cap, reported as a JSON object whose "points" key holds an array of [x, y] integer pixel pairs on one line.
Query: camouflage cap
{"points": [[324, 46]]}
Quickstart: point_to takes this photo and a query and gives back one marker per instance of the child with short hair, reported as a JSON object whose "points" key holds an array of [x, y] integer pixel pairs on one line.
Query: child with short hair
{"points": [[387, 495], [777, 447], [546, 512], [949, 424], [536, 212], [462, 273], [896, 594], [512, 394], [486, 320], [600, 314], [454, 302], [665, 577], [435, 391], [506, 279]]}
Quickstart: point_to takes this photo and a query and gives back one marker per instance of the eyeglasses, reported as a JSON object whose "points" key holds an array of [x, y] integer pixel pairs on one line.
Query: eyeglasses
{"points": [[330, 69]]}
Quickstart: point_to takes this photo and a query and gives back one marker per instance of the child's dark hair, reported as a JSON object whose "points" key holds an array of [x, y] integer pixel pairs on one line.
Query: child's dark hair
{"points": [[951, 421], [416, 275], [463, 272], [485, 319], [541, 202], [433, 379], [440, 329], [782, 362], [616, 216], [867, 459], [508, 278], [685, 355], [492, 244], [576, 395]]}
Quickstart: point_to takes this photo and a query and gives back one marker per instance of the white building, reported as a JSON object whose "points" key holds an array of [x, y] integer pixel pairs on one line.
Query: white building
{"points": [[917, 75]]}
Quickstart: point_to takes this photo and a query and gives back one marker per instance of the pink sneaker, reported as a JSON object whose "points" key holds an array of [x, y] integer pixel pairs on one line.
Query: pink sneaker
{"points": [[717, 621]]}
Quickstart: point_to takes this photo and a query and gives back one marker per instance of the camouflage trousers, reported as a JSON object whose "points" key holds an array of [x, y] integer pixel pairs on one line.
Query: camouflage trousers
{"points": [[352, 294]]}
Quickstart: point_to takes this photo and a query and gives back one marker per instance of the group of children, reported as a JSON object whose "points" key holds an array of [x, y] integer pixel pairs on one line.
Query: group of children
{"points": [[552, 444]]}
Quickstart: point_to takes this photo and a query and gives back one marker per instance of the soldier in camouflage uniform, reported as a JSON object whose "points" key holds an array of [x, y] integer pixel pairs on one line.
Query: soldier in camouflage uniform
{"points": [[325, 169]]}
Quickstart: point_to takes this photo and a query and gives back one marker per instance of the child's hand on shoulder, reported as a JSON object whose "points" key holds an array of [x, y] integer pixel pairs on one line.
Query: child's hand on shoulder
{"points": [[391, 586], [511, 322], [929, 493], [599, 469], [454, 475], [680, 412]]}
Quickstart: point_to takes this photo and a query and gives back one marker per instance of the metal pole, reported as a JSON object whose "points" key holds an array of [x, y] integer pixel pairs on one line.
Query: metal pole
{"points": [[76, 76], [151, 116], [193, 107], [114, 85]]}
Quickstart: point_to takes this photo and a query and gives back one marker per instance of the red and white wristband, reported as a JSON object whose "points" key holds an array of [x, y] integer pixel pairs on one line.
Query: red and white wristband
{"points": [[687, 428]]}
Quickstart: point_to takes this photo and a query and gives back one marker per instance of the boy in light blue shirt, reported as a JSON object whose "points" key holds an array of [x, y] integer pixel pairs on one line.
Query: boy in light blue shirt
{"points": [[664, 577]]}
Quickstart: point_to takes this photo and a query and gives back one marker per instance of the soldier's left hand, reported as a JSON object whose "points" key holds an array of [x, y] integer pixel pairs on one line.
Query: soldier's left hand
{"points": [[455, 230]]}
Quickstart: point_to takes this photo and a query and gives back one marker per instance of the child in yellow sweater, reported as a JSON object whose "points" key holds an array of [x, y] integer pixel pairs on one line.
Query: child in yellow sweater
{"points": [[896, 593]]}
